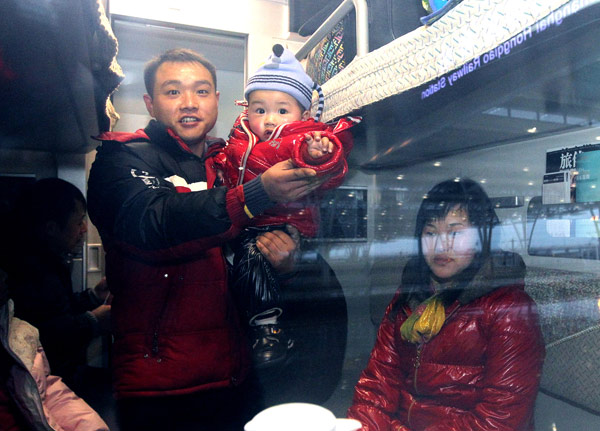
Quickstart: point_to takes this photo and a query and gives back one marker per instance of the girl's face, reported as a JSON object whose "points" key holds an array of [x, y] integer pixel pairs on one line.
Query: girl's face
{"points": [[449, 245]]}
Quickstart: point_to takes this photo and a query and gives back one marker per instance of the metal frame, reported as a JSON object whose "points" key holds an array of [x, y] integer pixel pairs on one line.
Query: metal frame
{"points": [[362, 28]]}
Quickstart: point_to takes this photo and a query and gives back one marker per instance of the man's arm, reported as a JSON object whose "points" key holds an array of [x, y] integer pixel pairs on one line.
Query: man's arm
{"points": [[129, 202]]}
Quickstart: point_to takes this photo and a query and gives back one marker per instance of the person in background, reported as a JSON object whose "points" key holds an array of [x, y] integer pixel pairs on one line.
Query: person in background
{"points": [[276, 126], [49, 225], [30, 397], [459, 347], [180, 359]]}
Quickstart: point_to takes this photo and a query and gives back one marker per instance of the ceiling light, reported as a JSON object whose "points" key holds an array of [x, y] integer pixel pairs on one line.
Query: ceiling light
{"points": [[532, 130]]}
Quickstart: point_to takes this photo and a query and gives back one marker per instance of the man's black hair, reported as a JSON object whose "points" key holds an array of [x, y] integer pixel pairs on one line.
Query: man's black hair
{"points": [[50, 199], [177, 55]]}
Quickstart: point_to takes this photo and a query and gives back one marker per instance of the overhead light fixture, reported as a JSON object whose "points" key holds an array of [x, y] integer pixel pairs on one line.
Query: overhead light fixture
{"points": [[532, 130], [437, 164], [400, 177]]}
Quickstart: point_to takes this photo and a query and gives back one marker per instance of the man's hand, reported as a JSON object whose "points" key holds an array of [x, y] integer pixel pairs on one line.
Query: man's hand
{"points": [[284, 182], [318, 145], [279, 248], [101, 290], [102, 315]]}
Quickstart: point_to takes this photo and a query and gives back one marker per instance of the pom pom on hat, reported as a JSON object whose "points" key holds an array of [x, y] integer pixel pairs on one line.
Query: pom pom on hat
{"points": [[283, 72]]}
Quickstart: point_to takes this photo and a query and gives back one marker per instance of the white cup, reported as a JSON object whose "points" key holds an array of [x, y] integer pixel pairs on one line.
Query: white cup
{"points": [[300, 417]]}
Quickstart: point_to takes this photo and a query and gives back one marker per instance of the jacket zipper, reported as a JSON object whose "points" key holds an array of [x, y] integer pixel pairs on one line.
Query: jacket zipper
{"points": [[154, 345], [417, 364], [155, 342], [412, 403]]}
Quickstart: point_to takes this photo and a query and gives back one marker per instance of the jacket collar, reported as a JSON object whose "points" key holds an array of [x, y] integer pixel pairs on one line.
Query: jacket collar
{"points": [[161, 135], [500, 269]]}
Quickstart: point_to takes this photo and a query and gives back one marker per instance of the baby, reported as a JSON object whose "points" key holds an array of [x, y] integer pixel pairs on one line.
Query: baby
{"points": [[276, 126]]}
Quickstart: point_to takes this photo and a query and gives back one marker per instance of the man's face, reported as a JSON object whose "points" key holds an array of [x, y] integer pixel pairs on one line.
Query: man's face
{"points": [[184, 99], [67, 239]]}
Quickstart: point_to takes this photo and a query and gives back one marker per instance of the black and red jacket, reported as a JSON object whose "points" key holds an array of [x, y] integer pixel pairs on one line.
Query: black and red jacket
{"points": [[162, 223]]}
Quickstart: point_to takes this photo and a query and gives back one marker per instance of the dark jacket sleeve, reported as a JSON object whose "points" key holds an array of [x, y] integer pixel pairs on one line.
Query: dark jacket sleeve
{"points": [[84, 301], [131, 203]]}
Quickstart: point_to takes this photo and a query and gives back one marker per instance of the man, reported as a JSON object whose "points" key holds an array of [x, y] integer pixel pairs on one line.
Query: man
{"points": [[180, 358], [49, 225]]}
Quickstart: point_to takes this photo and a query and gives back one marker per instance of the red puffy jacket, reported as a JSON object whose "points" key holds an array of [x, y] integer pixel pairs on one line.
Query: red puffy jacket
{"points": [[176, 329], [287, 142], [479, 373]]}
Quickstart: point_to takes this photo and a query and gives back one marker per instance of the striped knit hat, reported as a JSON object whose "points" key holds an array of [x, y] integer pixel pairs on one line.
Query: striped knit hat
{"points": [[282, 72]]}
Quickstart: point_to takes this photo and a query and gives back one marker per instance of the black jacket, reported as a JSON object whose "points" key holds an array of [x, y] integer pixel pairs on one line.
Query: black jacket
{"points": [[133, 199], [175, 327]]}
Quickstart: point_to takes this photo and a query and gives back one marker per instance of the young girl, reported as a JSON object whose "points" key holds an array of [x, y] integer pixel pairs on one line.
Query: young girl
{"points": [[460, 346]]}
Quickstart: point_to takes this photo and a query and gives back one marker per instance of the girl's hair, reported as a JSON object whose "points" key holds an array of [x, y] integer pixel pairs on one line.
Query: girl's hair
{"points": [[467, 195]]}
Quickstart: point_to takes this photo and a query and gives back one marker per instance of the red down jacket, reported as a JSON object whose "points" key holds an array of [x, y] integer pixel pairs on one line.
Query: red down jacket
{"points": [[480, 373], [176, 329], [288, 141]]}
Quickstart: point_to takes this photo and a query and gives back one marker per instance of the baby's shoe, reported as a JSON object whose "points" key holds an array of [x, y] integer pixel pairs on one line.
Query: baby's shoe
{"points": [[270, 344]]}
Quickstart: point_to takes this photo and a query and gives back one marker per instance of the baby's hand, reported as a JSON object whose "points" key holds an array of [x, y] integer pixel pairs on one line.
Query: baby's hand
{"points": [[318, 145]]}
